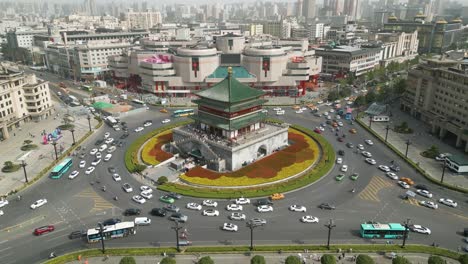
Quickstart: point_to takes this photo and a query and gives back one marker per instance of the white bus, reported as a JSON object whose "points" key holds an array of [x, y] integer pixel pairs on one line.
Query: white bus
{"points": [[136, 101], [118, 230], [111, 121]]}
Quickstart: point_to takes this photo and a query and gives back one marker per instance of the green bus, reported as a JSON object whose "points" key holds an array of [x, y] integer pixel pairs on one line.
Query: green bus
{"points": [[183, 112], [377, 230], [86, 88], [61, 168]]}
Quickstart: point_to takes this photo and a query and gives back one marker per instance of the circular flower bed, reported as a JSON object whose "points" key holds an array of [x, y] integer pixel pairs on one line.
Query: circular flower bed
{"points": [[152, 153]]}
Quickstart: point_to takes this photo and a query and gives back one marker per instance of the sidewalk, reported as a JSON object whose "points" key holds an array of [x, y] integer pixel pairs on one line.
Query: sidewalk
{"points": [[420, 140], [41, 157], [271, 258]]}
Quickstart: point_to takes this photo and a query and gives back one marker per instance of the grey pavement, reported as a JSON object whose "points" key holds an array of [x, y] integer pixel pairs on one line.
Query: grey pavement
{"points": [[270, 258], [41, 157], [420, 140]]}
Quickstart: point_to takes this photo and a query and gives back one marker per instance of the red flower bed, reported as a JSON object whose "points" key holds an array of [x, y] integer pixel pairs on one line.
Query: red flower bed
{"points": [[267, 167], [157, 152]]}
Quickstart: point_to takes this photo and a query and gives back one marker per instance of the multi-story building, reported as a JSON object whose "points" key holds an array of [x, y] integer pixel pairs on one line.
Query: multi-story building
{"points": [[22, 98], [308, 8], [437, 94], [143, 20], [397, 46]]}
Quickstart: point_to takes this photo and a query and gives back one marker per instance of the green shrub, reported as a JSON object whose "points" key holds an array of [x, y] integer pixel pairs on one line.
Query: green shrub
{"points": [[28, 147], [206, 260], [431, 152], [364, 259], [400, 260], [463, 259], [258, 260], [292, 260], [9, 166], [435, 260], [162, 180], [328, 259], [127, 260], [168, 260], [139, 168]]}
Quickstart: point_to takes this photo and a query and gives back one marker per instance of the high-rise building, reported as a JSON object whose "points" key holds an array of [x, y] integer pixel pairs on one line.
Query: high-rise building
{"points": [[308, 9], [143, 20], [352, 8], [89, 7], [299, 8]]}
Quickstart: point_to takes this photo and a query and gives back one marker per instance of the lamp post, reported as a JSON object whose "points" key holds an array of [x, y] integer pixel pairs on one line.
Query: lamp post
{"points": [[443, 172], [89, 122], [24, 164], [370, 121], [386, 133], [251, 226], [73, 136], [408, 142], [405, 236], [54, 143], [330, 226], [176, 228], [101, 230]]}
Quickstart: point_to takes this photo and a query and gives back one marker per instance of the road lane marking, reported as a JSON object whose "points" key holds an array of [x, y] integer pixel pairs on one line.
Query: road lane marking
{"points": [[4, 241], [61, 236], [5, 249], [370, 193], [99, 202], [30, 221]]}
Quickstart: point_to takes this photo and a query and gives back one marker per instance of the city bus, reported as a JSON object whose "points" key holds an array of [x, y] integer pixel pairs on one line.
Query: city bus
{"points": [[136, 101], [111, 121], [118, 230], [182, 112], [377, 230], [61, 168], [86, 88]]}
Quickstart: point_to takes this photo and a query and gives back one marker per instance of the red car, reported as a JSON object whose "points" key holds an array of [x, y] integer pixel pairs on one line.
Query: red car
{"points": [[340, 139], [43, 230], [318, 131]]}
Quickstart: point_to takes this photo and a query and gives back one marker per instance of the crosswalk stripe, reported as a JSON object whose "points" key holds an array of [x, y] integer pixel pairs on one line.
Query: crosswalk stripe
{"points": [[371, 191], [99, 202]]}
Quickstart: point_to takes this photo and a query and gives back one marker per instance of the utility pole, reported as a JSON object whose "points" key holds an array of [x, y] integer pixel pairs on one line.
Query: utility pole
{"points": [[101, 230], [406, 233], [176, 228], [89, 122], [23, 164], [386, 133], [443, 172], [370, 121], [54, 143], [408, 142], [330, 226], [73, 136], [251, 226]]}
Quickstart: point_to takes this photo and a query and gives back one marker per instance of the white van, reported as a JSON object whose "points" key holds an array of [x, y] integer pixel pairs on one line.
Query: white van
{"points": [[142, 221]]}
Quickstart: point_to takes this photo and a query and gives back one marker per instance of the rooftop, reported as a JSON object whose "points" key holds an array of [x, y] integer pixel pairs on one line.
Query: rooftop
{"points": [[238, 72], [459, 160]]}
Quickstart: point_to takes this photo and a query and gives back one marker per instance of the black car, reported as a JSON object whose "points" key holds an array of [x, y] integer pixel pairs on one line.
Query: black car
{"points": [[76, 234], [111, 170], [82, 155], [327, 206], [115, 142], [123, 123], [349, 145], [261, 202], [125, 135], [421, 187], [341, 152], [111, 221], [174, 195], [120, 144], [172, 208], [158, 212], [99, 142], [395, 167], [132, 211]]}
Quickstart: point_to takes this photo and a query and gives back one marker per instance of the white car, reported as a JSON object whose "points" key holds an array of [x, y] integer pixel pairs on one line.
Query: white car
{"points": [[146, 194], [139, 199], [344, 168], [242, 200], [264, 208], [108, 157], [210, 203], [234, 207], [139, 129], [93, 151], [102, 147], [360, 146], [230, 227], [339, 160], [73, 174], [328, 117], [98, 155], [392, 175], [109, 140], [127, 187], [1, 212], [194, 206], [384, 168], [424, 193], [147, 124], [429, 204], [89, 170], [145, 188], [96, 162], [420, 229], [321, 128], [332, 111], [237, 216], [106, 135], [3, 203], [210, 212], [366, 154], [339, 123], [309, 219], [299, 111], [38, 203], [116, 128], [326, 113], [116, 177], [111, 149], [165, 121], [82, 163], [369, 142], [403, 185], [371, 161], [448, 202], [320, 102], [297, 208], [277, 109]]}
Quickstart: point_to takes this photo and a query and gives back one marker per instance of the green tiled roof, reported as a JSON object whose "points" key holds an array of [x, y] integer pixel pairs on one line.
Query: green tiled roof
{"points": [[230, 90], [238, 72], [234, 124], [459, 160]]}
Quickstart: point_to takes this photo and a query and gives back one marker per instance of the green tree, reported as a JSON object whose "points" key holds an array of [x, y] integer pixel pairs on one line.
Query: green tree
{"points": [[8, 164], [435, 260], [333, 95], [400, 86], [292, 260], [371, 96], [162, 180], [400, 260], [463, 259], [27, 142], [258, 260], [364, 259], [360, 100], [328, 259], [168, 260], [206, 260], [139, 168], [431, 152], [345, 92], [127, 260]]}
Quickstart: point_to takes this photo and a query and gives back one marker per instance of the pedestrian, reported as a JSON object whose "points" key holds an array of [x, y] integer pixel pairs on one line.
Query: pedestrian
{"points": [[14, 134]]}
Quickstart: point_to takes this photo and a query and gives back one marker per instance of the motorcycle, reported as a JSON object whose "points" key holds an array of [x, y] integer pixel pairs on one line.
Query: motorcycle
{"points": [[115, 198], [103, 188], [353, 190], [52, 255]]}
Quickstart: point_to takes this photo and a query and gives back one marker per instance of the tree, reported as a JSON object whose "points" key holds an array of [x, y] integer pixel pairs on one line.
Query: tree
{"points": [[333, 95], [8, 164], [258, 260], [364, 259], [139, 168], [400, 260], [431, 152], [127, 260], [162, 180], [292, 260], [360, 100], [435, 260], [206, 260], [168, 260], [27, 142], [463, 259], [345, 92], [371, 96], [328, 259], [400, 86]]}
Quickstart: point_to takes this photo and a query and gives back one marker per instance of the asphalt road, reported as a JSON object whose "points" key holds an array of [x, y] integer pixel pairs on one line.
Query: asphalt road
{"points": [[76, 204]]}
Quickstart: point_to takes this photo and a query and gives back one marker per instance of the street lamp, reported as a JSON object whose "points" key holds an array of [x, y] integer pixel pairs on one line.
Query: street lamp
{"points": [[405, 236], [386, 133], [89, 122], [101, 230], [330, 226], [54, 143], [370, 121], [443, 171], [176, 228], [73, 136], [23, 164], [251, 226], [408, 142]]}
